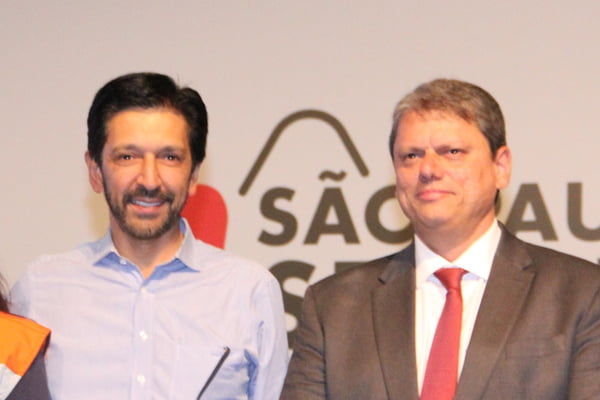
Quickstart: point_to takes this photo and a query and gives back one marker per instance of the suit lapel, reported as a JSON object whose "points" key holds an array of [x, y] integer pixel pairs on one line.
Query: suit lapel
{"points": [[503, 298], [393, 321]]}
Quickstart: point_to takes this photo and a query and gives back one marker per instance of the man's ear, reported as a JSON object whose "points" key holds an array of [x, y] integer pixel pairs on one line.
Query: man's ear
{"points": [[94, 174], [503, 163], [193, 180]]}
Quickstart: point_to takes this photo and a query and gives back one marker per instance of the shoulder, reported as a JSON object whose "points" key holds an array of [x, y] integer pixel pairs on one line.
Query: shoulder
{"points": [[515, 249], [21, 326], [66, 260], [47, 271], [550, 266], [346, 297], [215, 261], [22, 340], [362, 278]]}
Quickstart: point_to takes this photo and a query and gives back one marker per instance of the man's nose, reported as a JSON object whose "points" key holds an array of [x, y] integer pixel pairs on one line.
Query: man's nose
{"points": [[430, 168], [149, 176]]}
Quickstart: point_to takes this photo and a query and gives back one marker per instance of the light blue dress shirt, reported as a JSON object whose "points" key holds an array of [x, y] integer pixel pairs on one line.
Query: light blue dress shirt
{"points": [[118, 336]]}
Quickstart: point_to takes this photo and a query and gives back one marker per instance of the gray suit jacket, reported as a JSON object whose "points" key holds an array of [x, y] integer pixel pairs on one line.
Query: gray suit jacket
{"points": [[537, 333]]}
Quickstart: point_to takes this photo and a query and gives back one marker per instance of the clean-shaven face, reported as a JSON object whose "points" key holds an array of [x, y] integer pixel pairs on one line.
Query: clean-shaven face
{"points": [[446, 176]]}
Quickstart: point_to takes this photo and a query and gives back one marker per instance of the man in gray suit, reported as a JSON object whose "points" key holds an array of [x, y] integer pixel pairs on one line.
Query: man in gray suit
{"points": [[530, 316]]}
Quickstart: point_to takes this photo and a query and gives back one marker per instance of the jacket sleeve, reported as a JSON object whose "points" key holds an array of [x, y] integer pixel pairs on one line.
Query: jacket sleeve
{"points": [[33, 384], [584, 375], [306, 373]]}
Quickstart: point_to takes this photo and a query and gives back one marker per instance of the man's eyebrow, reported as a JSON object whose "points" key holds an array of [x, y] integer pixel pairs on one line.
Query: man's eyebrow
{"points": [[410, 149], [172, 148], [133, 146], [127, 146]]}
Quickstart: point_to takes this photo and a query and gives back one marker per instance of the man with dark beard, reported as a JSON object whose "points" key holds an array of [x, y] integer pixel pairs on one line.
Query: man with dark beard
{"points": [[149, 312]]}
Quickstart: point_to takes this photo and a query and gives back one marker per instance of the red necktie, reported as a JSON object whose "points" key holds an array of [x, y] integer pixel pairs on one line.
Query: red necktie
{"points": [[441, 374]]}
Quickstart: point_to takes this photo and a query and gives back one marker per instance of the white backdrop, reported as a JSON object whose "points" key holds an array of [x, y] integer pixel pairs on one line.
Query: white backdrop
{"points": [[255, 63]]}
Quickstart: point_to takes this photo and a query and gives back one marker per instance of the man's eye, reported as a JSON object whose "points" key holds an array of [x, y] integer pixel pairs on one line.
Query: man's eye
{"points": [[125, 157], [454, 151], [171, 157]]}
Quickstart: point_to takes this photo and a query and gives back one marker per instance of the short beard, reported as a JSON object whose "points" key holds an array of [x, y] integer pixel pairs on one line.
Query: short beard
{"points": [[119, 212]]}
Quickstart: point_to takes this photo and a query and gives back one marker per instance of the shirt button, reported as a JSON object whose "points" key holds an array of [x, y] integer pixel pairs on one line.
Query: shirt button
{"points": [[122, 261], [144, 335], [141, 379]]}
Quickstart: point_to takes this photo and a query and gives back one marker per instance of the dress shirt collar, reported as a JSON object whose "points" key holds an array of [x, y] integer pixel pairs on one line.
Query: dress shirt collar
{"points": [[104, 249], [476, 260]]}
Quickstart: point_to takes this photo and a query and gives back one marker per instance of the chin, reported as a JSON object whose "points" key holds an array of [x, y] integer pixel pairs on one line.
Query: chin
{"points": [[435, 222]]}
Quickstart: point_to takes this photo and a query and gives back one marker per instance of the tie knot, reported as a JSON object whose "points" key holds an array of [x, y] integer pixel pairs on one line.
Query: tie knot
{"points": [[450, 277]]}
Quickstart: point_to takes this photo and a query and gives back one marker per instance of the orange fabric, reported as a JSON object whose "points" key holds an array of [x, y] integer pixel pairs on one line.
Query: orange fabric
{"points": [[20, 342]]}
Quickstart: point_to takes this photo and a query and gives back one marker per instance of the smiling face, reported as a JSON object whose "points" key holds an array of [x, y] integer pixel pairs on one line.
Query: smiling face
{"points": [[446, 176], [146, 172]]}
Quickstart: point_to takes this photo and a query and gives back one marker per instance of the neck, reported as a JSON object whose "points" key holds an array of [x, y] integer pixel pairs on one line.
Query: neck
{"points": [[452, 243], [150, 253]]}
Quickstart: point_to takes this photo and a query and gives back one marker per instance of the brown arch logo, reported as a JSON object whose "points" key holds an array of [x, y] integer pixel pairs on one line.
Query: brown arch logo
{"points": [[282, 126]]}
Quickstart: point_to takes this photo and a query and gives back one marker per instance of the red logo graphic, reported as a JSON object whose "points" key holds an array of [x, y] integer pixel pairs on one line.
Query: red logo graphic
{"points": [[206, 213]]}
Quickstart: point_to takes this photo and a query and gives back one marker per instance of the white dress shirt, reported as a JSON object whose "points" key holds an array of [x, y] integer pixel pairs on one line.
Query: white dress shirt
{"points": [[116, 335], [430, 294]]}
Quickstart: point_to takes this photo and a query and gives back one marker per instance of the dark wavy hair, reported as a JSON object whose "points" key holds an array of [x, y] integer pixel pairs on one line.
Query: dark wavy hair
{"points": [[3, 299], [145, 90]]}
